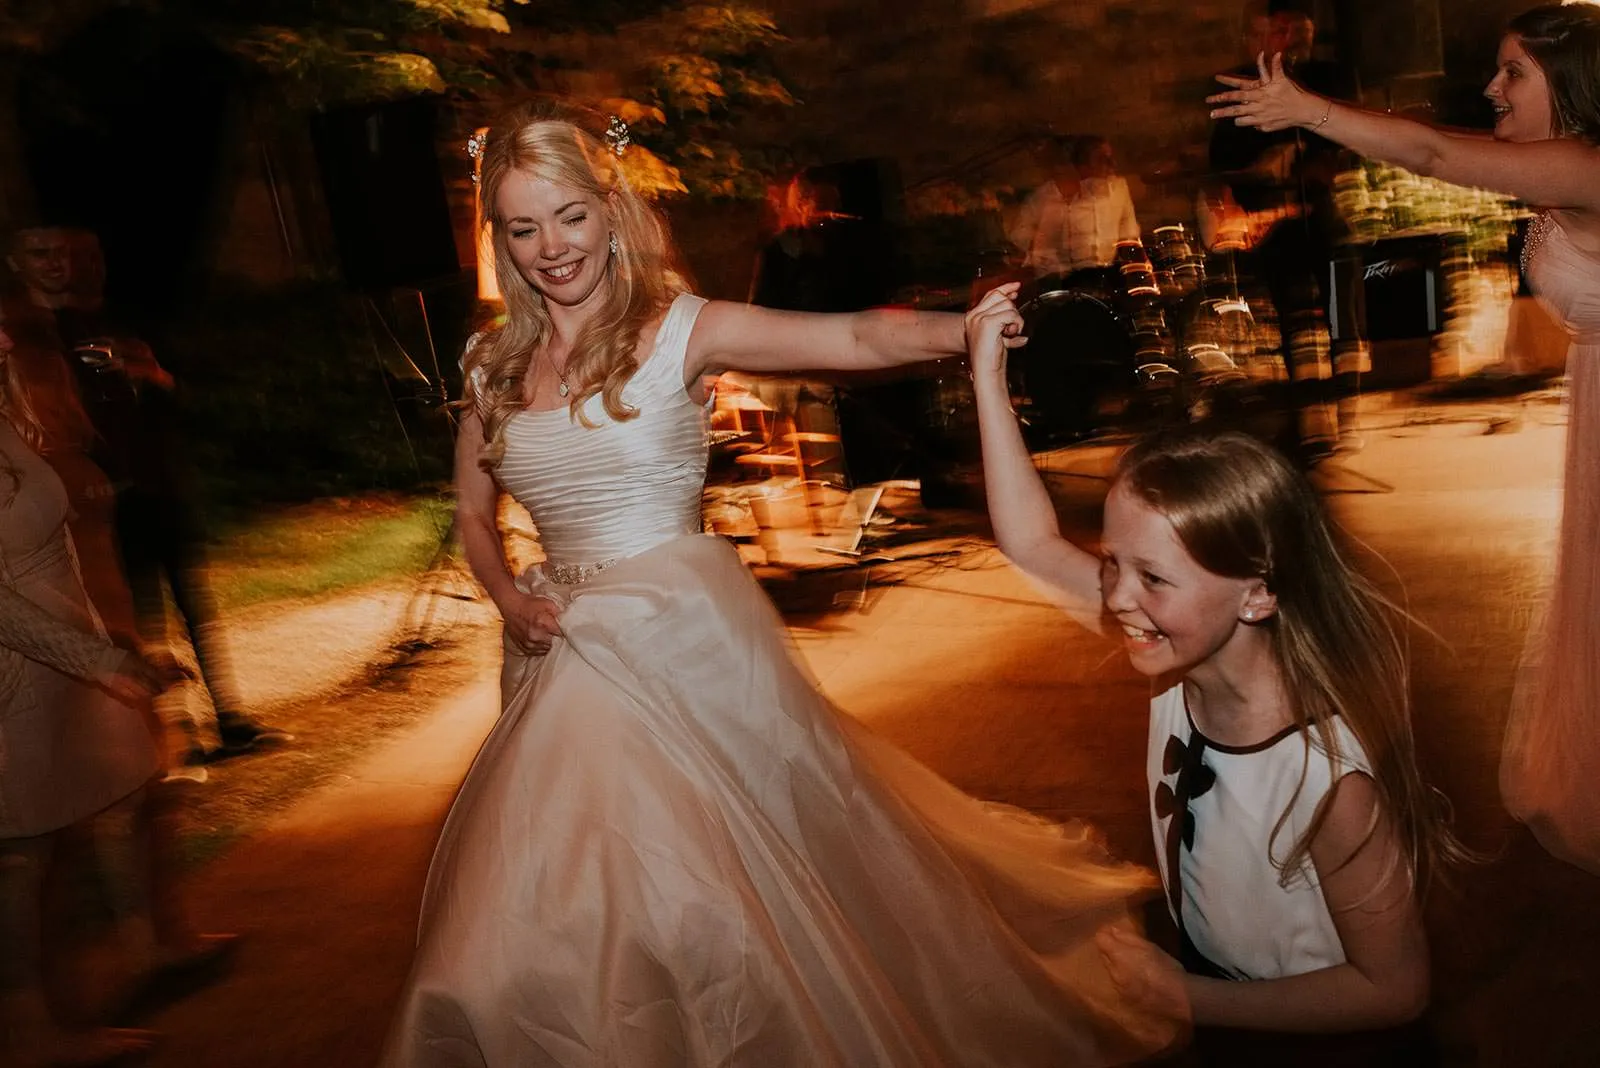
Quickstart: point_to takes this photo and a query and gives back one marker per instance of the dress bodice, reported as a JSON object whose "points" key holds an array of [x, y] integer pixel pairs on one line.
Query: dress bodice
{"points": [[1566, 278], [33, 512], [615, 489]]}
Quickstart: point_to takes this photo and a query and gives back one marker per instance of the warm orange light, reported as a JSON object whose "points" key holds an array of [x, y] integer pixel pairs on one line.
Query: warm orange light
{"points": [[797, 205]]}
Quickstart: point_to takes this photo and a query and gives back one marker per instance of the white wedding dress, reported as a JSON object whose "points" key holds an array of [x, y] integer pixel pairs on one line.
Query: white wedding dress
{"points": [[673, 851]]}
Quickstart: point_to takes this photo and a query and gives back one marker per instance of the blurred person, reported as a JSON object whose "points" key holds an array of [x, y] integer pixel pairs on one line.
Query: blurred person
{"points": [[76, 736], [1292, 825], [1076, 219], [132, 403], [1280, 185], [672, 850], [1545, 151]]}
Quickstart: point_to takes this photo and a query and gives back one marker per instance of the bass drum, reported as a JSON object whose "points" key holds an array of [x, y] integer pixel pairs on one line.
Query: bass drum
{"points": [[1082, 371]]}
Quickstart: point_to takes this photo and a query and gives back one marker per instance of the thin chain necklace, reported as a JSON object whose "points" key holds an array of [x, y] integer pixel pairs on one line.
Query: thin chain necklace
{"points": [[562, 387]]}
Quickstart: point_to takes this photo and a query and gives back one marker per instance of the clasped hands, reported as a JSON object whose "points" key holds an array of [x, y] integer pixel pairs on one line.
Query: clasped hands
{"points": [[993, 326], [1270, 101]]}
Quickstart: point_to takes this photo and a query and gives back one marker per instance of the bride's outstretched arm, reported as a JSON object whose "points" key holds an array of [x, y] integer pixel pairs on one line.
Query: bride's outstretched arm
{"points": [[1020, 508], [1558, 173], [746, 337]]}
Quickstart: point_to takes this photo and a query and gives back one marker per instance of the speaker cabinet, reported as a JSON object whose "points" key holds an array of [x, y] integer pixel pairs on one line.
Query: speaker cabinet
{"points": [[1405, 287], [385, 193], [1405, 303]]}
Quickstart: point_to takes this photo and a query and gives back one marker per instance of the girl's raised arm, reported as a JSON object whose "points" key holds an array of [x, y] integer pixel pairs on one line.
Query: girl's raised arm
{"points": [[1020, 508]]}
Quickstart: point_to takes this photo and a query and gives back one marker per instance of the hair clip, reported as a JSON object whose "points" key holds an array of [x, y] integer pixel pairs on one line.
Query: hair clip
{"points": [[475, 146], [617, 136]]}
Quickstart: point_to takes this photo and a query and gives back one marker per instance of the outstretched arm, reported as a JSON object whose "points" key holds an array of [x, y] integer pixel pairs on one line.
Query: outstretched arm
{"points": [[1558, 173], [1024, 517], [745, 337]]}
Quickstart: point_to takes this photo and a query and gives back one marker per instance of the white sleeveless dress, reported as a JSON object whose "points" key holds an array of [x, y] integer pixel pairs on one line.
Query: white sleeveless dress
{"points": [[673, 851]]}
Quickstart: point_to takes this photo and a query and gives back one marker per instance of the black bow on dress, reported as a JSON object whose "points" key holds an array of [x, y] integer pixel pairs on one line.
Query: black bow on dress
{"points": [[1172, 804]]}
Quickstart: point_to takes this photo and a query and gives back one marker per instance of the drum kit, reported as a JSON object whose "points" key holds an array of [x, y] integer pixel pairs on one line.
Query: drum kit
{"points": [[1167, 332]]}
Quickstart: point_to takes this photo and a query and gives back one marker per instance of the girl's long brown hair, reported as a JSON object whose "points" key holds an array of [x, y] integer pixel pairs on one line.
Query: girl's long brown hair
{"points": [[642, 279], [1242, 511], [1564, 39]]}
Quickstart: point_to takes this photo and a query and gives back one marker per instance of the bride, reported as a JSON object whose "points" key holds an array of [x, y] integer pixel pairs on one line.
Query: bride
{"points": [[672, 850]]}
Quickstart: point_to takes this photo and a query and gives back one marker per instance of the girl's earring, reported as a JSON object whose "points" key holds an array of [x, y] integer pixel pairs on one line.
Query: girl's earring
{"points": [[613, 242]]}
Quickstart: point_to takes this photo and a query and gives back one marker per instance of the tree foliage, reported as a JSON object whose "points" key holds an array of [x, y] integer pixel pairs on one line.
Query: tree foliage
{"points": [[686, 73]]}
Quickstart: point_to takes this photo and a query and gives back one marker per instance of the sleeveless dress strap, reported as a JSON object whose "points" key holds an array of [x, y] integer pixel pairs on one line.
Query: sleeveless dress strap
{"points": [[664, 367]]}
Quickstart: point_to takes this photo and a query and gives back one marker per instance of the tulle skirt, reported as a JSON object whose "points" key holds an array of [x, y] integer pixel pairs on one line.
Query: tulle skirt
{"points": [[673, 851], [1550, 766]]}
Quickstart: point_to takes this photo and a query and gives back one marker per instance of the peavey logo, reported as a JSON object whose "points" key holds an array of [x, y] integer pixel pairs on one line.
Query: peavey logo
{"points": [[1389, 268]]}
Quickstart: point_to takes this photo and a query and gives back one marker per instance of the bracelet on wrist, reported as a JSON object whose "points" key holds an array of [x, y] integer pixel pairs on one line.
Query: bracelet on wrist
{"points": [[1326, 115]]}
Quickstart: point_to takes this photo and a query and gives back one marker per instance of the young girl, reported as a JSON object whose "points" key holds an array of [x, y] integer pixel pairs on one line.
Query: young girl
{"points": [[1289, 818]]}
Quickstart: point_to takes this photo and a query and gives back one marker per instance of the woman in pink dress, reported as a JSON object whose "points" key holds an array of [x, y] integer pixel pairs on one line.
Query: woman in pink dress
{"points": [[77, 734], [1546, 152], [74, 739]]}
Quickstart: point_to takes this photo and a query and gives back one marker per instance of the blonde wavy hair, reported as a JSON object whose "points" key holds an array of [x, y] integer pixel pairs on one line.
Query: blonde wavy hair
{"points": [[1242, 511], [555, 144]]}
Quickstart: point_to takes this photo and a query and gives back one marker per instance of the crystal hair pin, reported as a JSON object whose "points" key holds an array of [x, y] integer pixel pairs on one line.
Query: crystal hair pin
{"points": [[617, 136], [475, 146]]}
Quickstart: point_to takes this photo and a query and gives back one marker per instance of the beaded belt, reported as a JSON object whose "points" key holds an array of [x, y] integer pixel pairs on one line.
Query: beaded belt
{"points": [[572, 574]]}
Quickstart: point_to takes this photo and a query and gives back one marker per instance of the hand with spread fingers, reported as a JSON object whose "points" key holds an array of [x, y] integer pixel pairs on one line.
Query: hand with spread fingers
{"points": [[994, 325], [1270, 101]]}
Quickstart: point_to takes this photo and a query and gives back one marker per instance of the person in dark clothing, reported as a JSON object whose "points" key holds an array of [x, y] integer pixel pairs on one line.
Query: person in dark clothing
{"points": [[1283, 182], [132, 403]]}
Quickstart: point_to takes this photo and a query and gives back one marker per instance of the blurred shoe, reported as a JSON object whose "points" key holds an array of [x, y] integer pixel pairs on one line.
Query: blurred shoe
{"points": [[102, 1047], [168, 974], [240, 734], [201, 953], [191, 770]]}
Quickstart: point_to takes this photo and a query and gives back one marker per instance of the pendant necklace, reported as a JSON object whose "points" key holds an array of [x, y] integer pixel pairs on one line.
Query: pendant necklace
{"points": [[562, 388]]}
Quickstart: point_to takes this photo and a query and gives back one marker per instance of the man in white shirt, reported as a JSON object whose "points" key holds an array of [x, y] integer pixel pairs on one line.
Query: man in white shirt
{"points": [[1076, 218]]}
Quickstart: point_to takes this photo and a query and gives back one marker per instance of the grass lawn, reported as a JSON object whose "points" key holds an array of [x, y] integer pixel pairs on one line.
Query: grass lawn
{"points": [[325, 547], [285, 561]]}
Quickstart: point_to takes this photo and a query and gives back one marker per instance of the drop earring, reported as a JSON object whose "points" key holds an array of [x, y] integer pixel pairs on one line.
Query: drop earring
{"points": [[613, 242]]}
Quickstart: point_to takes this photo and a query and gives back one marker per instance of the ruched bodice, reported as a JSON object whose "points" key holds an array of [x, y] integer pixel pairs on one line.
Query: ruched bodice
{"points": [[1566, 278], [615, 489]]}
